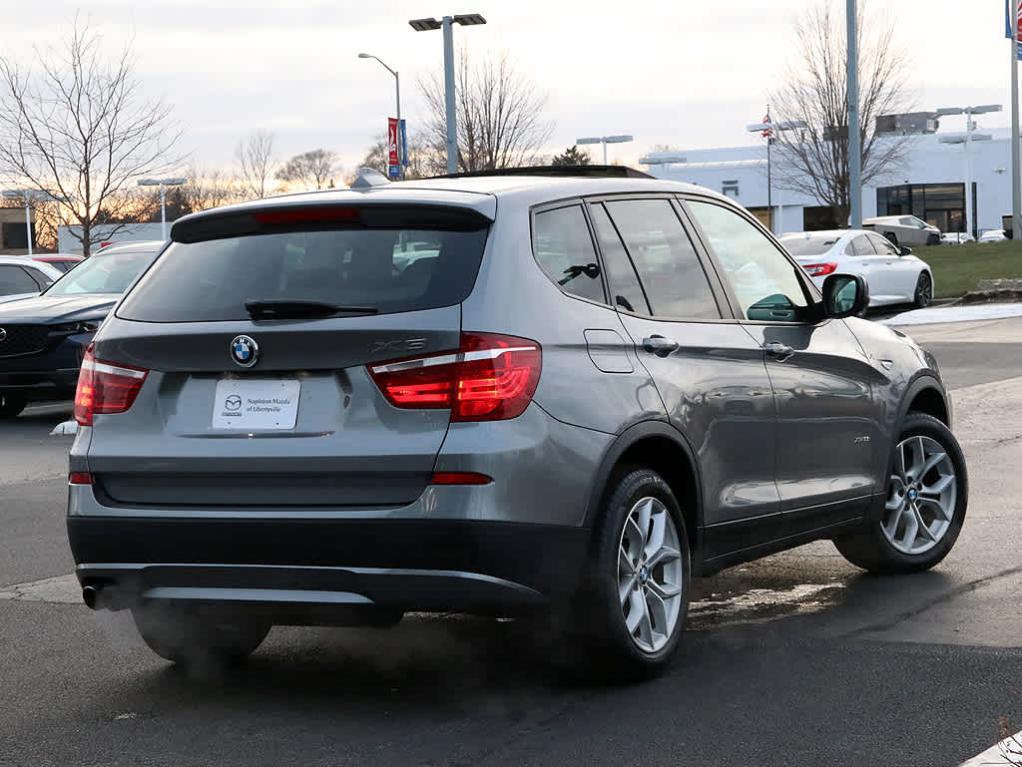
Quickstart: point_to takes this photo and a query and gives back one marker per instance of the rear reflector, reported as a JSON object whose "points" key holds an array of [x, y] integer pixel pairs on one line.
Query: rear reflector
{"points": [[489, 378], [820, 270], [459, 478], [104, 387], [79, 478]]}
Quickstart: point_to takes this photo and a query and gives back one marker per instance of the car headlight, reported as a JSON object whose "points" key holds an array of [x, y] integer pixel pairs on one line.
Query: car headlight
{"points": [[73, 328]]}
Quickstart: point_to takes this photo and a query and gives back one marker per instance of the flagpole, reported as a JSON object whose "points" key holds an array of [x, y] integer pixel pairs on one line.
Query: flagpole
{"points": [[1016, 171]]}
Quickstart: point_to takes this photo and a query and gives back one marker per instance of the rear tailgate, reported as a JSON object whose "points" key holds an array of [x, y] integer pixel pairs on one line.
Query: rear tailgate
{"points": [[247, 411]]}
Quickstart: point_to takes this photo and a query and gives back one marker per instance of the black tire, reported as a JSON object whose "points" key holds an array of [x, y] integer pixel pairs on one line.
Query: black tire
{"points": [[11, 405], [892, 237], [870, 549], [612, 653], [924, 291], [192, 637]]}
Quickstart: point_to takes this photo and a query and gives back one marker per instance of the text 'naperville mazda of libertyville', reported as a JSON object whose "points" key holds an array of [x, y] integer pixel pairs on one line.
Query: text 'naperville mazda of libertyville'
{"points": [[502, 394]]}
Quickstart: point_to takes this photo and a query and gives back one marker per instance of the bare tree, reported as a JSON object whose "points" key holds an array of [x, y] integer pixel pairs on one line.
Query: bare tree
{"points": [[76, 126], [209, 188], [420, 164], [499, 113], [255, 162], [814, 160], [315, 168]]}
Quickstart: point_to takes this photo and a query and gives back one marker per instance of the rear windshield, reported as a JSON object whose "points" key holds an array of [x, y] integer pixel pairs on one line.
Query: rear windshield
{"points": [[388, 270], [808, 246]]}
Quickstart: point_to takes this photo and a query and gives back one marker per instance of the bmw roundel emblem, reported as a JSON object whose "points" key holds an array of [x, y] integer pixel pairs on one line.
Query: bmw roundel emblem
{"points": [[244, 351]]}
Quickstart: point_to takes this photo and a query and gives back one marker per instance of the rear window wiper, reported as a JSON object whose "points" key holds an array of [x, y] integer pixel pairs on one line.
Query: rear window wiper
{"points": [[298, 308]]}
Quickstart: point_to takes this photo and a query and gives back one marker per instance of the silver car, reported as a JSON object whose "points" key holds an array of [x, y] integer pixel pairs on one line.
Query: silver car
{"points": [[904, 230], [491, 394]]}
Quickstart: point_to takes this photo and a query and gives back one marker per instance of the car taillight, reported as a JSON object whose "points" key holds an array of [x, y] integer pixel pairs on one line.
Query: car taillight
{"points": [[490, 377], [820, 270], [104, 387]]}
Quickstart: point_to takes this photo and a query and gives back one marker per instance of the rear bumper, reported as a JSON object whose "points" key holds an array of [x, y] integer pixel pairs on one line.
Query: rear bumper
{"points": [[436, 565]]}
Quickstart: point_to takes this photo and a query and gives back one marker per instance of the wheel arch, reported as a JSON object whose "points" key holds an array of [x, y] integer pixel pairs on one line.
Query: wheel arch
{"points": [[926, 395], [659, 446]]}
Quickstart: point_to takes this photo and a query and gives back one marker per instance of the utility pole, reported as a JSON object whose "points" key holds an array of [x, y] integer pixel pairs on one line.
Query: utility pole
{"points": [[854, 137]]}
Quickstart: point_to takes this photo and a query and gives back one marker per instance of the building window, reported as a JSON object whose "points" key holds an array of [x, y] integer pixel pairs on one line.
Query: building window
{"points": [[729, 188], [942, 205]]}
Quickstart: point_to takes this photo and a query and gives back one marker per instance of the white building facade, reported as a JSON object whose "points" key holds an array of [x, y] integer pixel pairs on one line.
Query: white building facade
{"points": [[929, 184]]}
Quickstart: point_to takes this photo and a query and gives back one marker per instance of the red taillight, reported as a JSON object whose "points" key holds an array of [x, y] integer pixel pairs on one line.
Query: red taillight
{"points": [[79, 478], [459, 478], [320, 215], [104, 387], [820, 270], [489, 378]]}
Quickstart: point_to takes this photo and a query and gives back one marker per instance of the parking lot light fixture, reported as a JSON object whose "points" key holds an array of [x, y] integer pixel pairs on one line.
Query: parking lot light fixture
{"points": [[447, 24], [621, 139], [966, 139], [163, 183], [28, 196], [397, 91]]}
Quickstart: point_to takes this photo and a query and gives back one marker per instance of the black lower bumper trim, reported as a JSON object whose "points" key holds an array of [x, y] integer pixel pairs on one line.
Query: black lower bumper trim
{"points": [[412, 565]]}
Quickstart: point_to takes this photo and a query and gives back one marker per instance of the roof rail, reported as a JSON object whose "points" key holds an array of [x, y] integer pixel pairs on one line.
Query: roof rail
{"points": [[560, 171]]}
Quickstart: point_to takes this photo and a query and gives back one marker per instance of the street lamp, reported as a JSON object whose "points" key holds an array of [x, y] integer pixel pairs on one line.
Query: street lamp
{"points": [[604, 140], [966, 139], [397, 92], [766, 129], [28, 196], [162, 183], [427, 25]]}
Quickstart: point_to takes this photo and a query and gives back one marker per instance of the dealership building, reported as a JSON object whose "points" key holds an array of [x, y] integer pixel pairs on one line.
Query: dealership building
{"points": [[928, 183]]}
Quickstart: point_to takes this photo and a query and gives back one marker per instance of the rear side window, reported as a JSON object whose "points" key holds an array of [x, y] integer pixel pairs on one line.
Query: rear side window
{"points": [[624, 283], [860, 246], [14, 279], [387, 269], [664, 258], [564, 250]]}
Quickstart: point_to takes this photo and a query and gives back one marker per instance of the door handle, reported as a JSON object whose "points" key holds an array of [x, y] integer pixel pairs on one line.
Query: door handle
{"points": [[659, 345], [777, 350]]}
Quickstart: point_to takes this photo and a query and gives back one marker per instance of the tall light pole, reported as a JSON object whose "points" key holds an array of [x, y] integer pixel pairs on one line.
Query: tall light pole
{"points": [[766, 129], [966, 139], [622, 139], [397, 94], [1016, 152], [28, 196], [854, 137], [447, 24], [162, 183]]}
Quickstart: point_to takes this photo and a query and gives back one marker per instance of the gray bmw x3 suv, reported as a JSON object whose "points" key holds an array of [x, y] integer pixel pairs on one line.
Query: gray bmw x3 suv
{"points": [[496, 394]]}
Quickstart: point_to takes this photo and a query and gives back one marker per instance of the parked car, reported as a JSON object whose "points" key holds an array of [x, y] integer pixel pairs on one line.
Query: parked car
{"points": [[43, 338], [583, 393], [22, 278], [62, 261], [893, 274], [904, 230], [956, 238], [993, 235]]}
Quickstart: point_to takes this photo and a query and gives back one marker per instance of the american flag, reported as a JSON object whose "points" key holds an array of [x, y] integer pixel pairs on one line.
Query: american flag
{"points": [[768, 133]]}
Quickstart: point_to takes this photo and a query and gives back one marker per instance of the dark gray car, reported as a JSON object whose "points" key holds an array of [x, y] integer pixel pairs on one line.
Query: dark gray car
{"points": [[495, 395]]}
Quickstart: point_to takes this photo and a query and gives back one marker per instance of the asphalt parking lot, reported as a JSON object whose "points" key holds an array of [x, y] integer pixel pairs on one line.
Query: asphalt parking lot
{"points": [[799, 659]]}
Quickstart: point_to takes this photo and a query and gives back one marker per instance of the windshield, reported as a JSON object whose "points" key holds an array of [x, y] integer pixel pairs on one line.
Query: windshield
{"points": [[110, 273], [808, 246]]}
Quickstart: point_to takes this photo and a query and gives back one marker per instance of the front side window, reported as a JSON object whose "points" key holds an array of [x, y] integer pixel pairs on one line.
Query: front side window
{"points": [[665, 259], [764, 281], [565, 252], [883, 246]]}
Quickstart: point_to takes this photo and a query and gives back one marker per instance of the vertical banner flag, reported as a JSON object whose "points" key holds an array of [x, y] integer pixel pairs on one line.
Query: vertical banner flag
{"points": [[393, 160], [404, 143], [1007, 23]]}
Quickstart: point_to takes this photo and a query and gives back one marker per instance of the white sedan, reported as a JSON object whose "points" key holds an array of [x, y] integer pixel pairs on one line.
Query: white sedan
{"points": [[894, 275]]}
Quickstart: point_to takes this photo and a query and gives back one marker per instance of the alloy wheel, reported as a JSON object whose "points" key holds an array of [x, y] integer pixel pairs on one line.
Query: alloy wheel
{"points": [[921, 496], [924, 293], [650, 574]]}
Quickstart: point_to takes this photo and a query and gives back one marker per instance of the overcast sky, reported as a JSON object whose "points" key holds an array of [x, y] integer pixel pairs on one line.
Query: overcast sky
{"points": [[689, 73]]}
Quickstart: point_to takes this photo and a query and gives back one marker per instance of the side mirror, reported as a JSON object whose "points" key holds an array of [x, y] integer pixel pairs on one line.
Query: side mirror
{"points": [[906, 250], [845, 295]]}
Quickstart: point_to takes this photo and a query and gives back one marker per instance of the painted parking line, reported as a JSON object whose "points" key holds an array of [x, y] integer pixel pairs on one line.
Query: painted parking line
{"points": [[1007, 752]]}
